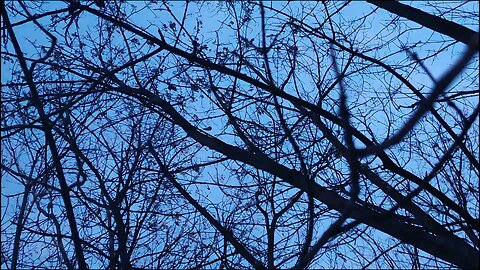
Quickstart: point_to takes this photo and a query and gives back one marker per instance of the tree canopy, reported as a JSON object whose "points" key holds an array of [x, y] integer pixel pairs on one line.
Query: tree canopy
{"points": [[240, 134]]}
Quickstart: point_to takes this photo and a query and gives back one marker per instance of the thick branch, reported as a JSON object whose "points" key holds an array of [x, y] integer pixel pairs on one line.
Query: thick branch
{"points": [[435, 23], [440, 246]]}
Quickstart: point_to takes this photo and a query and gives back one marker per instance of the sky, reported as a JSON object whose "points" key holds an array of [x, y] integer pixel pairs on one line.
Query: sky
{"points": [[212, 20]]}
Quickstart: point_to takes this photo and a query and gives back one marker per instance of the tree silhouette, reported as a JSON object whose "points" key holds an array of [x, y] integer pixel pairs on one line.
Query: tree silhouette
{"points": [[239, 134]]}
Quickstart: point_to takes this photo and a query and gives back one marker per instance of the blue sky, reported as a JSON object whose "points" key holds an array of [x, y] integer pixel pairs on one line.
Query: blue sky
{"points": [[213, 20]]}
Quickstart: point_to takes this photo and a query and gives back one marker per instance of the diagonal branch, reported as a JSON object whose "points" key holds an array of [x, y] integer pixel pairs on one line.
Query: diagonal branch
{"points": [[435, 23], [50, 141], [439, 245], [215, 223]]}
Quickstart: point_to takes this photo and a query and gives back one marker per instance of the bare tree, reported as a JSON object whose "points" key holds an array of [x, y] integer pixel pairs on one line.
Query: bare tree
{"points": [[240, 134]]}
